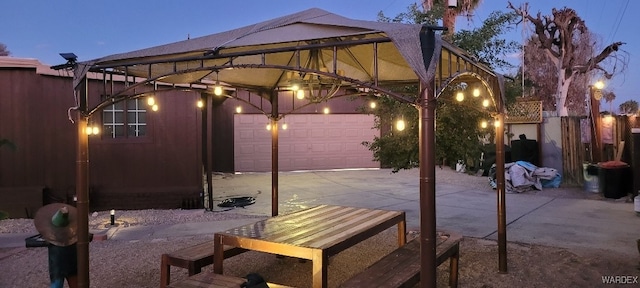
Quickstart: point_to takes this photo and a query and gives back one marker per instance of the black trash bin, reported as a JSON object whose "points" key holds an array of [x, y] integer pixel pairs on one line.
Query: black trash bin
{"points": [[615, 179]]}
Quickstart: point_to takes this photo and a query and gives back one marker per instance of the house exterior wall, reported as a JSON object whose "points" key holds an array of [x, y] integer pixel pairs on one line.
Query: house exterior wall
{"points": [[164, 168], [161, 170], [44, 142]]}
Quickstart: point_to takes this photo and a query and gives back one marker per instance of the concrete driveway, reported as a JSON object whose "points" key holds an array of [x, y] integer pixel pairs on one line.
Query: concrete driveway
{"points": [[562, 217]]}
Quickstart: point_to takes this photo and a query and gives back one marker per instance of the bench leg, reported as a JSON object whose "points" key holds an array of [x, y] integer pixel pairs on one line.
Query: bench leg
{"points": [[218, 254], [165, 271], [453, 268], [194, 269]]}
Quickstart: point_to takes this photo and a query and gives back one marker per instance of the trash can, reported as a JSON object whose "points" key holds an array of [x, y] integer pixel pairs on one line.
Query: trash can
{"points": [[590, 174], [615, 179]]}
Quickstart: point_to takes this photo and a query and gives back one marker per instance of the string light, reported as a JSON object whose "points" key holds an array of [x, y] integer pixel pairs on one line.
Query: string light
{"points": [[400, 125], [217, 90]]}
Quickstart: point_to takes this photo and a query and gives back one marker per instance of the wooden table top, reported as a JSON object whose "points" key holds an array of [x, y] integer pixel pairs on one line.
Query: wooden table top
{"points": [[317, 227]]}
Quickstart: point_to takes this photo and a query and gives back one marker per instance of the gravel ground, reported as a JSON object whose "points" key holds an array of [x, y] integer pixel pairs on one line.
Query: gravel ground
{"points": [[136, 263]]}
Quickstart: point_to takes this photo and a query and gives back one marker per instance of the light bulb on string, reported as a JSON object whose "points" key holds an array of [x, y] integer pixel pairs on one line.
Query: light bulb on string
{"points": [[217, 90], [400, 125]]}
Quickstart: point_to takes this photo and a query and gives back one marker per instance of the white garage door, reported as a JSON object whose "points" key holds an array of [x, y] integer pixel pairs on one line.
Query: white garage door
{"points": [[310, 142]]}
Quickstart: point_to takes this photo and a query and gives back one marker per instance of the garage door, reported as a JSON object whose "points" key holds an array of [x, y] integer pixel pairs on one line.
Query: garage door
{"points": [[310, 142]]}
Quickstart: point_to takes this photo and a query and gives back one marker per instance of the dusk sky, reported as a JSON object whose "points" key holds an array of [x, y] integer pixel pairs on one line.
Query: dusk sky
{"points": [[93, 29]]}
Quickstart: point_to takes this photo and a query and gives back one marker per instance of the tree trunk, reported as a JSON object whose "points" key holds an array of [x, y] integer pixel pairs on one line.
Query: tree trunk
{"points": [[561, 93], [449, 21]]}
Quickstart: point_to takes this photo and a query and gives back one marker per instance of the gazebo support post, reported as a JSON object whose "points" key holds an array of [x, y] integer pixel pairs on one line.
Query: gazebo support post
{"points": [[502, 207], [82, 190], [206, 159], [427, 187], [274, 153]]}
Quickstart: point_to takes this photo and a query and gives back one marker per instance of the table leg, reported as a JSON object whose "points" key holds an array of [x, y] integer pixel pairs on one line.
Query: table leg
{"points": [[218, 254], [319, 269], [165, 271], [453, 268], [402, 233]]}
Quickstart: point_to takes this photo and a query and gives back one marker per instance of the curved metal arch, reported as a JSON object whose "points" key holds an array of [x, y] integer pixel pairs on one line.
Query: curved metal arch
{"points": [[477, 76], [117, 97]]}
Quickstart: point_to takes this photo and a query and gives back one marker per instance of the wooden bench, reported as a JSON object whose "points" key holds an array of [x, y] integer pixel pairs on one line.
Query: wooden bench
{"points": [[211, 280], [192, 258], [401, 268]]}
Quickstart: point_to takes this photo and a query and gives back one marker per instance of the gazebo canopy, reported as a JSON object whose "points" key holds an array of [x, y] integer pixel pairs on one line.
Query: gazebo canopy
{"points": [[267, 56]]}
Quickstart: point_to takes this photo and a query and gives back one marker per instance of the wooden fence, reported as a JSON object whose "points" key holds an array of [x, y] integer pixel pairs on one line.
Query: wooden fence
{"points": [[575, 153]]}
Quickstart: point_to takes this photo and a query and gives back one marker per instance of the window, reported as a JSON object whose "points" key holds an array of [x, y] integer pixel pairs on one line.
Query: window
{"points": [[126, 119]]}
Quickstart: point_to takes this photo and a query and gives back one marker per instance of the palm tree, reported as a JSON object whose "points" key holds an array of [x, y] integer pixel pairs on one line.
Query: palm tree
{"points": [[609, 97], [463, 7]]}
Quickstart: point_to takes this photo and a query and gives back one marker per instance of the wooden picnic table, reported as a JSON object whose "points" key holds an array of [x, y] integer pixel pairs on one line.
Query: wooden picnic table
{"points": [[316, 234]]}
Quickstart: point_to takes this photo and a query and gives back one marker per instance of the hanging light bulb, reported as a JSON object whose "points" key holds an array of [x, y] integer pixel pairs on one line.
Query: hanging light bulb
{"points": [[239, 109], [200, 104], [400, 125], [151, 101], [459, 96], [269, 126], [484, 124], [476, 92], [485, 103], [373, 104], [154, 107], [217, 90], [284, 126], [300, 94], [496, 123], [326, 110], [95, 130]]}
